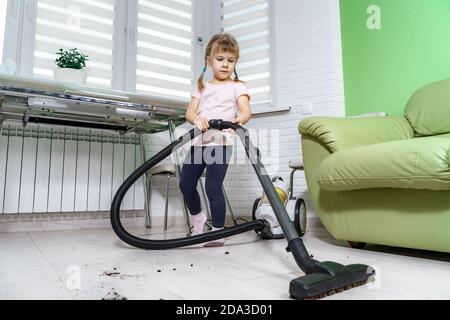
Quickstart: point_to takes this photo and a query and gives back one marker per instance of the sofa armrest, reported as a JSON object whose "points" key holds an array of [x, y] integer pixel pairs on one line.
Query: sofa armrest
{"points": [[342, 133], [420, 163]]}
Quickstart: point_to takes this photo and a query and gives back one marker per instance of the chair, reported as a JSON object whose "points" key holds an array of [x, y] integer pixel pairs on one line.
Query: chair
{"points": [[168, 170], [296, 164], [171, 169]]}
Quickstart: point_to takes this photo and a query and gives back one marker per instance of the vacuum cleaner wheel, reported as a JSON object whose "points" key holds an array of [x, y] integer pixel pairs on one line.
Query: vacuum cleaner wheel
{"points": [[300, 217]]}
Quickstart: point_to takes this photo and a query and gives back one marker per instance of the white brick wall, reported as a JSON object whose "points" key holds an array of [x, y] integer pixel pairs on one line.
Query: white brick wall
{"points": [[309, 78]]}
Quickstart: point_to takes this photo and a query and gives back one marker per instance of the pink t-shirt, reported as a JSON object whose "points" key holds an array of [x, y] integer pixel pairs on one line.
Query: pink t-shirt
{"points": [[218, 101]]}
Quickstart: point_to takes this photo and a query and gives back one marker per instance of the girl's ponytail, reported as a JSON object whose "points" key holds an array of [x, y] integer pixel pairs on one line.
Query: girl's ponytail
{"points": [[236, 77], [200, 83]]}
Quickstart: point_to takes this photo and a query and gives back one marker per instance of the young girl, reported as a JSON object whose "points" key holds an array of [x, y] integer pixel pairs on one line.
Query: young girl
{"points": [[220, 98]]}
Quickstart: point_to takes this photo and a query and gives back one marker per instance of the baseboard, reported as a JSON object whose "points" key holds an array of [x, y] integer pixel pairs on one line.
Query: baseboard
{"points": [[39, 222], [25, 222]]}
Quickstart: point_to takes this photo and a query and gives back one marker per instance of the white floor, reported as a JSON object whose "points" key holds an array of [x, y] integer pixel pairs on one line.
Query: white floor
{"points": [[95, 264]]}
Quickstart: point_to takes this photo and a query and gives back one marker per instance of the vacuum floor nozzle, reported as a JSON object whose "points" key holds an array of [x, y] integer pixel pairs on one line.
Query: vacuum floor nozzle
{"points": [[337, 278]]}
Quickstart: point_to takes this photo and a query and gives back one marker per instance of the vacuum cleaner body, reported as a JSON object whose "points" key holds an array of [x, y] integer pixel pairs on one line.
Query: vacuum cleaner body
{"points": [[265, 212], [295, 208], [322, 278]]}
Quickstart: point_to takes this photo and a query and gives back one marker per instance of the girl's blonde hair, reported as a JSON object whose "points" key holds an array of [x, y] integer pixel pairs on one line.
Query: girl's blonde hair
{"points": [[221, 42]]}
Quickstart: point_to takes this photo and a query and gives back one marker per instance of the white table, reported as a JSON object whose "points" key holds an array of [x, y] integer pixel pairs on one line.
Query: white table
{"points": [[39, 101]]}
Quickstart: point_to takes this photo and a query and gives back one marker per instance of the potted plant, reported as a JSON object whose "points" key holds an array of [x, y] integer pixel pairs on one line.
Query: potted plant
{"points": [[71, 66]]}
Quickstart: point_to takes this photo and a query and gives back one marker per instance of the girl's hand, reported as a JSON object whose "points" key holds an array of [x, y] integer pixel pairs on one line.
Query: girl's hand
{"points": [[202, 124], [238, 120]]}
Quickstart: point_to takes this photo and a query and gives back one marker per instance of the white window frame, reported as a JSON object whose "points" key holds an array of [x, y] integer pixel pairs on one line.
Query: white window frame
{"points": [[13, 33], [20, 35], [206, 24], [272, 107], [125, 45], [26, 41], [273, 54]]}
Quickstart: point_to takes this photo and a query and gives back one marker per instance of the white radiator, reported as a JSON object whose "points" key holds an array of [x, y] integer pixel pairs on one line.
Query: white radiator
{"points": [[57, 169]]}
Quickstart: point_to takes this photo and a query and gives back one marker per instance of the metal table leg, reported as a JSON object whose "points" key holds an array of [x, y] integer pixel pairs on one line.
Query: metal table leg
{"points": [[167, 202], [178, 173], [148, 217], [148, 220]]}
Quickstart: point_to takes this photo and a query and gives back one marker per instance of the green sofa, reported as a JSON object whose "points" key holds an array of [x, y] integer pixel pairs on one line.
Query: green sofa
{"points": [[384, 180]]}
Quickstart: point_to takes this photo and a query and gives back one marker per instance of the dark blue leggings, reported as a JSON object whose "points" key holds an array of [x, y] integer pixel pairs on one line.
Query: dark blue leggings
{"points": [[215, 159]]}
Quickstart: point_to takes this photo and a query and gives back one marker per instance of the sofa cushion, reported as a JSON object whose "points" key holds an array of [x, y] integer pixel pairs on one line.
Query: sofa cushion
{"points": [[419, 163], [428, 109]]}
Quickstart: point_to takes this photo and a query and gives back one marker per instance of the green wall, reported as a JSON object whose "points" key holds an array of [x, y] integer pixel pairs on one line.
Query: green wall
{"points": [[383, 67]]}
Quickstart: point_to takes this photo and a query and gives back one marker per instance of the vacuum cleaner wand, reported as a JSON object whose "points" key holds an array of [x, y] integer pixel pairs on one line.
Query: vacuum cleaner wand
{"points": [[321, 279]]}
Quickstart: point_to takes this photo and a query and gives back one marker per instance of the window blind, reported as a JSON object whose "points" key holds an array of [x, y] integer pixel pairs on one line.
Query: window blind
{"points": [[164, 48], [87, 25], [248, 21]]}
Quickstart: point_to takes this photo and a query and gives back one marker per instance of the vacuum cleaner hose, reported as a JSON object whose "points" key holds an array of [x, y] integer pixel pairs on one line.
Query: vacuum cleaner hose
{"points": [[149, 244]]}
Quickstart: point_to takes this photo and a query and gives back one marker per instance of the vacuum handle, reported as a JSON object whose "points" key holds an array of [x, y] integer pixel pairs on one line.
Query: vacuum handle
{"points": [[220, 124]]}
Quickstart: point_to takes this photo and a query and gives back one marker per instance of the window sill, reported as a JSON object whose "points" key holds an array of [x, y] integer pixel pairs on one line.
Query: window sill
{"points": [[266, 110]]}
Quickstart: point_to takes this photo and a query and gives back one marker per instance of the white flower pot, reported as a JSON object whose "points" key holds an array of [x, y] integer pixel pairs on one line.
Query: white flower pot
{"points": [[77, 76]]}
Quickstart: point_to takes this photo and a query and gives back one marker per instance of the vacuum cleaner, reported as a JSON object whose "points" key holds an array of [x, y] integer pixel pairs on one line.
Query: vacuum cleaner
{"points": [[320, 279], [295, 207]]}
